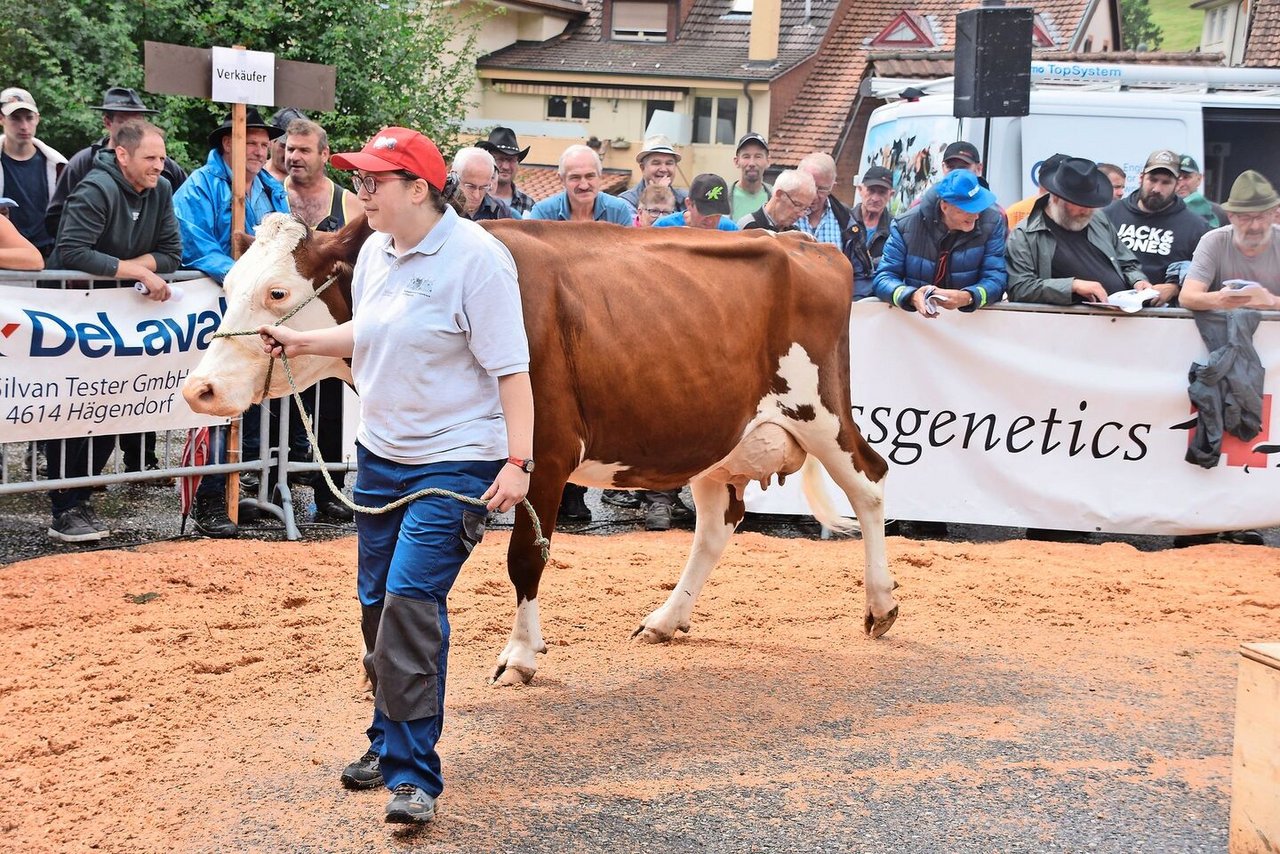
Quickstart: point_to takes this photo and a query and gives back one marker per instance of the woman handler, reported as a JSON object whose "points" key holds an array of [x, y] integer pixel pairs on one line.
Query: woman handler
{"points": [[440, 360]]}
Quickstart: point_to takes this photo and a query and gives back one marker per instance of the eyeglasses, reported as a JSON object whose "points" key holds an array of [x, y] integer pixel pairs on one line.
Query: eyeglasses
{"points": [[475, 188], [657, 212], [794, 203], [370, 183], [1250, 219]]}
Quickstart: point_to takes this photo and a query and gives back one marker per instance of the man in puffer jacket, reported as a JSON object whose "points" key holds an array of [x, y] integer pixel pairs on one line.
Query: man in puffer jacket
{"points": [[947, 252]]}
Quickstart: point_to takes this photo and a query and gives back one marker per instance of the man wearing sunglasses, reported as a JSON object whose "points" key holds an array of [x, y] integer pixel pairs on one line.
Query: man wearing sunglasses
{"points": [[793, 195]]}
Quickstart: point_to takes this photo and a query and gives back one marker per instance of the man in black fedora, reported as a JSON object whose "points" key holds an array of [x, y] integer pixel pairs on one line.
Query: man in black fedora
{"points": [[508, 154], [119, 104], [1066, 251], [203, 207]]}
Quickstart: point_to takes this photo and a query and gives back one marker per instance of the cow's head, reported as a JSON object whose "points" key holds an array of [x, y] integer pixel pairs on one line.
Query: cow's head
{"points": [[281, 269]]}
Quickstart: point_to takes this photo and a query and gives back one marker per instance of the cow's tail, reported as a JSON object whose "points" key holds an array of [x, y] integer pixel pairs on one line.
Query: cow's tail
{"points": [[820, 503]]}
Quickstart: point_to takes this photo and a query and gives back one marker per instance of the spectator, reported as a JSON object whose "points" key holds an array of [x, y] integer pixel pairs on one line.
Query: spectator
{"points": [[476, 171], [203, 208], [16, 252], [657, 167], [1155, 225], [1116, 176], [828, 219], [29, 169], [1247, 249], [119, 105], [580, 174], [1019, 210], [947, 252], [707, 206], [792, 196], [118, 222], [323, 205], [508, 154], [750, 192], [277, 166], [656, 202], [872, 209], [1189, 180], [962, 155], [1066, 252]]}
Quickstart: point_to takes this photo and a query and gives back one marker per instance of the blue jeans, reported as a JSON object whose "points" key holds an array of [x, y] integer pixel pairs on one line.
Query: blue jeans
{"points": [[408, 561]]}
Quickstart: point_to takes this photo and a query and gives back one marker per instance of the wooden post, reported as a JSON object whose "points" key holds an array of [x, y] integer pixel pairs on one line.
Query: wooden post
{"points": [[238, 167]]}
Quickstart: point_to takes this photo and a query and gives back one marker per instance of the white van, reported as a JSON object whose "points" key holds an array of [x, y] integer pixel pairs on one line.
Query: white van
{"points": [[1093, 111]]}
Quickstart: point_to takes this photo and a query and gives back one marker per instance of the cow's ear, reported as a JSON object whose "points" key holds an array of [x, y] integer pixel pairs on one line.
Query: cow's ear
{"points": [[240, 243], [348, 240]]}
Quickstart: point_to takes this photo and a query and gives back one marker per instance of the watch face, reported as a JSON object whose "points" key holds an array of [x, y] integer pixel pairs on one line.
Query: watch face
{"points": [[528, 466]]}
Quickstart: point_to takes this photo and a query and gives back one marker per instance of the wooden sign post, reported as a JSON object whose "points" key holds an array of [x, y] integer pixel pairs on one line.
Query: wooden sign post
{"points": [[198, 72]]}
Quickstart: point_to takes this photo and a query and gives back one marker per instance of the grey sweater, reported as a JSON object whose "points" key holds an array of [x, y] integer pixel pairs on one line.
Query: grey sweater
{"points": [[106, 220]]}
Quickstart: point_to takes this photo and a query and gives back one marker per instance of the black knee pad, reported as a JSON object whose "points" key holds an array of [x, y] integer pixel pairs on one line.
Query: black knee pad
{"points": [[406, 659]]}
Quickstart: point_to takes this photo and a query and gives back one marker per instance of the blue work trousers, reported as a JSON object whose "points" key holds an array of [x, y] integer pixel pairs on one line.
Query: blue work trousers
{"points": [[409, 559]]}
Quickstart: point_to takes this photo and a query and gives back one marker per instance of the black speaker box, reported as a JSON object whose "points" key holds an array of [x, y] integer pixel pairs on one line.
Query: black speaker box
{"points": [[993, 62]]}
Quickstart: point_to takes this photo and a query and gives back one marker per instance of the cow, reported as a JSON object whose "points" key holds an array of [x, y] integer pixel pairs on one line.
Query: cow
{"points": [[658, 357]]}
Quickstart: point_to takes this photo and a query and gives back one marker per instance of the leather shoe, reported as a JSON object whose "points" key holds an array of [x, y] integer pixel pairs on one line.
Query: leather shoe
{"points": [[331, 508], [573, 508], [211, 519], [658, 517], [1242, 538]]}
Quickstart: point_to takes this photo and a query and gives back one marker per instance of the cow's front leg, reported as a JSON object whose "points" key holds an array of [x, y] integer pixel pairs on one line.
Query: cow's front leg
{"points": [[719, 507], [517, 663]]}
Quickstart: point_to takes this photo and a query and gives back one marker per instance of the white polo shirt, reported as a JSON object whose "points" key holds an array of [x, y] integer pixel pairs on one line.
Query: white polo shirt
{"points": [[434, 329]]}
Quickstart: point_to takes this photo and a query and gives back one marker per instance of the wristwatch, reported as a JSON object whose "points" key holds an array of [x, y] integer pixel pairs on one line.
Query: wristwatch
{"points": [[525, 466]]}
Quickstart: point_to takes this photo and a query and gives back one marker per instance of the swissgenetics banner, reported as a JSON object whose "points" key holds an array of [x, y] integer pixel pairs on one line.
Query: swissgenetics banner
{"points": [[89, 362], [1066, 420]]}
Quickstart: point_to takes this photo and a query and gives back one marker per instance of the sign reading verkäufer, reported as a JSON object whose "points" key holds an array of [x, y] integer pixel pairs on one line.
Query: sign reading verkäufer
{"points": [[244, 76], [79, 363]]}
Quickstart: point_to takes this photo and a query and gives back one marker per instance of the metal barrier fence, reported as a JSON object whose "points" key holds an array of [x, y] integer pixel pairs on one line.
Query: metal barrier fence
{"points": [[24, 468]]}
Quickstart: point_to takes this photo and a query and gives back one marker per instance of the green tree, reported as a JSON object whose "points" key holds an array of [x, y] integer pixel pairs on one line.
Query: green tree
{"points": [[401, 62], [1136, 26]]}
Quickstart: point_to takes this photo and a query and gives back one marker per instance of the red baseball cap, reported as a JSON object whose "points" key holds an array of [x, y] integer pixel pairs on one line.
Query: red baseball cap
{"points": [[397, 148]]}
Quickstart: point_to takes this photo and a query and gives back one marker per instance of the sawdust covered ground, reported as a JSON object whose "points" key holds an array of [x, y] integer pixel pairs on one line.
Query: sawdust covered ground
{"points": [[202, 696]]}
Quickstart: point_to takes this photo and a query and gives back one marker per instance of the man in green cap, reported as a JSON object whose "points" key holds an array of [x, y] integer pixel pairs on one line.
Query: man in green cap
{"points": [[1247, 250], [1188, 189]]}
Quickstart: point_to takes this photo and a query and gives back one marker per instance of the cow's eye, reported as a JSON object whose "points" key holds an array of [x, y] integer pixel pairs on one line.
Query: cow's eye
{"points": [[279, 294]]}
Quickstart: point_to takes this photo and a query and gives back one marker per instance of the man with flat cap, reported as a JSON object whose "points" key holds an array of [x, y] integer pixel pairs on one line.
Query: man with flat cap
{"points": [[203, 207], [508, 154], [119, 105], [657, 161], [1067, 251]]}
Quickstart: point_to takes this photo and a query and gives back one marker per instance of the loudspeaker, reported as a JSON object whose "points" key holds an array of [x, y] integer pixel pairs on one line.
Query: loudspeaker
{"points": [[993, 62]]}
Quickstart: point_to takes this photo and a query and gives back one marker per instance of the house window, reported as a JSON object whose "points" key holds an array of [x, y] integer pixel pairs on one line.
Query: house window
{"points": [[564, 107], [651, 107], [645, 22], [740, 7], [715, 120]]}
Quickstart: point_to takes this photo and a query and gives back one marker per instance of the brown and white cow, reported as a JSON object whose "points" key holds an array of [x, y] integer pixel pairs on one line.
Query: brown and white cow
{"points": [[659, 357]]}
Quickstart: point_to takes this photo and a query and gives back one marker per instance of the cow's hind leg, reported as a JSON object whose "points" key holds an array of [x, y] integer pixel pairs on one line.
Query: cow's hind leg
{"points": [[720, 509], [867, 498]]}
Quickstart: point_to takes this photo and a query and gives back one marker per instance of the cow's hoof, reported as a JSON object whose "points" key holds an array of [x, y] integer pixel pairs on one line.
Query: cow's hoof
{"points": [[644, 634], [507, 676], [876, 626]]}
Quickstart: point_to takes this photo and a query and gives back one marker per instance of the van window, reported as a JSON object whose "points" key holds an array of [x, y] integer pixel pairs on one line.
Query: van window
{"points": [[1122, 140]]}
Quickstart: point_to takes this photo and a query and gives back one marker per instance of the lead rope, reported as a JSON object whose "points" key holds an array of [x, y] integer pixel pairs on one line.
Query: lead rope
{"points": [[539, 540]]}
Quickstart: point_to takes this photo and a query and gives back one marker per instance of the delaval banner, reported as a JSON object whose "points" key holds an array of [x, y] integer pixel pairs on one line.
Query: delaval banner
{"points": [[89, 362], [1067, 420]]}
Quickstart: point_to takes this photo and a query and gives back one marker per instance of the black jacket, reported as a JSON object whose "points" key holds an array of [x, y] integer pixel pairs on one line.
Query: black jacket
{"points": [[1226, 390], [1158, 239], [79, 165], [106, 221]]}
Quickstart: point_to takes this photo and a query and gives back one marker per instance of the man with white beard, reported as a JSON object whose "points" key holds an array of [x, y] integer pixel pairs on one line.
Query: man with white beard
{"points": [[1067, 250]]}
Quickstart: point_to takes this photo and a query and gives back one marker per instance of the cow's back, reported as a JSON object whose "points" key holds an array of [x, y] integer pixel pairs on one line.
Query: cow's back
{"points": [[662, 342]]}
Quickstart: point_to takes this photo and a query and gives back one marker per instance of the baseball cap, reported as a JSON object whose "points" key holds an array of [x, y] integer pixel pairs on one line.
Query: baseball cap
{"points": [[1163, 159], [710, 194], [962, 150], [395, 148], [285, 117], [14, 99], [960, 187], [878, 176], [751, 136], [1188, 165]]}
